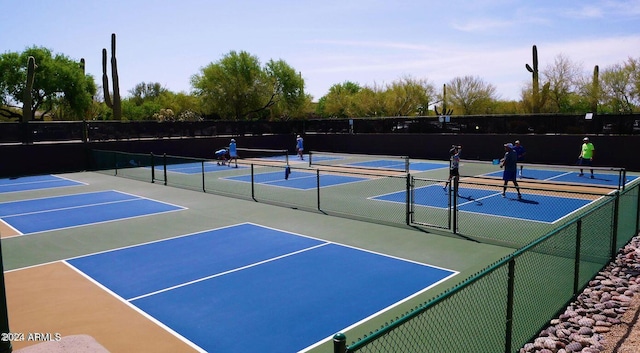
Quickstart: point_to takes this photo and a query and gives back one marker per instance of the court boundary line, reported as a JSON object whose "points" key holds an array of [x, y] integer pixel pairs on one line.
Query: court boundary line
{"points": [[136, 198], [11, 227], [220, 274], [486, 197], [79, 183], [452, 274], [132, 306], [383, 310]]}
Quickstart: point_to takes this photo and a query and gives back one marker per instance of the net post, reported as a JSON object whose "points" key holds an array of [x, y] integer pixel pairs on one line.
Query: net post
{"points": [[253, 188], [318, 188], [203, 187], [115, 163], [310, 159], [153, 168], [339, 343], [406, 164], [164, 163]]}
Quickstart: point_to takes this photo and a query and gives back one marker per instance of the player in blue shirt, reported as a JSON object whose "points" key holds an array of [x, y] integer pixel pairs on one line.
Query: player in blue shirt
{"points": [[233, 153], [510, 164], [454, 164], [520, 152], [299, 147], [221, 156]]}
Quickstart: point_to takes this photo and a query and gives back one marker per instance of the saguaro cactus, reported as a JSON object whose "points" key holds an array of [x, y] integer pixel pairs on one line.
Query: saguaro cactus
{"points": [[445, 111], [595, 93], [539, 98], [27, 112], [114, 103]]}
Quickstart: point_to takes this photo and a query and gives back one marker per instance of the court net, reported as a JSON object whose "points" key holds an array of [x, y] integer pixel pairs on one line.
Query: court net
{"points": [[264, 155], [548, 174], [359, 161]]}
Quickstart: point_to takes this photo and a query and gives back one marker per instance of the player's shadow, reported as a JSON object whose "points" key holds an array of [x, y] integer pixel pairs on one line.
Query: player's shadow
{"points": [[523, 200], [596, 178], [470, 198]]}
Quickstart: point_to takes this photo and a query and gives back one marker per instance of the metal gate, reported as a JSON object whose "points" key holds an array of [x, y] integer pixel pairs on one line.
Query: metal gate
{"points": [[430, 203]]}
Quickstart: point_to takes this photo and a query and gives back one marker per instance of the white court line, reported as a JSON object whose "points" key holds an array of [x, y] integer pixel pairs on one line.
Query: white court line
{"points": [[227, 272]]}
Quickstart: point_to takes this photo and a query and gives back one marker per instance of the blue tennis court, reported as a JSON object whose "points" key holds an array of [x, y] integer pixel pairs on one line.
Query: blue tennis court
{"points": [[297, 179], [532, 206], [569, 177], [35, 183], [52, 213], [249, 288]]}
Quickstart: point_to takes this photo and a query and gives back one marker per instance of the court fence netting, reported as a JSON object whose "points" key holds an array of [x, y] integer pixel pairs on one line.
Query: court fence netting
{"points": [[498, 309]]}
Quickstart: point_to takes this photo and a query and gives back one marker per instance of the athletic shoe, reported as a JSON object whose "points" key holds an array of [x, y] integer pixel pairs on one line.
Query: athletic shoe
{"points": [[503, 195], [592, 177]]}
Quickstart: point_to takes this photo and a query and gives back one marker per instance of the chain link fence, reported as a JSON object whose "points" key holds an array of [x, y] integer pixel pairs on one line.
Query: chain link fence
{"points": [[499, 309]]}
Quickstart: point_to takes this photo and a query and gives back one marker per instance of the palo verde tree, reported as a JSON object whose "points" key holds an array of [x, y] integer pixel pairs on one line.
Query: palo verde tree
{"points": [[472, 95], [238, 87], [59, 85]]}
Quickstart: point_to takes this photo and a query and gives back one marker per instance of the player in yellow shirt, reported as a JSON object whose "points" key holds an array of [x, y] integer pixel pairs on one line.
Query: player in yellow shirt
{"points": [[586, 155]]}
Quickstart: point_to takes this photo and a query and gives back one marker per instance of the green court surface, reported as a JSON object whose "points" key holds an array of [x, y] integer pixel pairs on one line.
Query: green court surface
{"points": [[203, 211]]}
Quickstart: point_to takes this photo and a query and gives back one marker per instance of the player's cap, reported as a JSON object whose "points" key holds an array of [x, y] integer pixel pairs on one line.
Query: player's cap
{"points": [[510, 145], [233, 140], [585, 139], [298, 136], [517, 142]]}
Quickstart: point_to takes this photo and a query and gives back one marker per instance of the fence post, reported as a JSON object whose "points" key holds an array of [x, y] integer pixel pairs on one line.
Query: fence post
{"points": [[409, 197], [637, 211], [453, 199], [614, 230], [339, 343], [509, 319], [576, 266], [5, 345]]}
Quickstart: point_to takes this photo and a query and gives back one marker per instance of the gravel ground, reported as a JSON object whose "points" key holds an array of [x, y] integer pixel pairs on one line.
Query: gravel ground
{"points": [[604, 317], [625, 337]]}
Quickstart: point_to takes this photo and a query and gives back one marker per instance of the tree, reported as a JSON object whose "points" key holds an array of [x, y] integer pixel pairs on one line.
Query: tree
{"points": [[238, 87], [563, 77], [288, 90], [471, 94], [146, 91], [340, 101], [60, 85], [370, 102], [408, 96], [618, 89]]}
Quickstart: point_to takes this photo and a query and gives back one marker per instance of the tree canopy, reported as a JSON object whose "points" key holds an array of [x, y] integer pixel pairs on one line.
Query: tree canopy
{"points": [[238, 87], [61, 89]]}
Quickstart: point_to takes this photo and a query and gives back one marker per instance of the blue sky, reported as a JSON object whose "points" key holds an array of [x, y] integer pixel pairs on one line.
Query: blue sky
{"points": [[368, 42]]}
